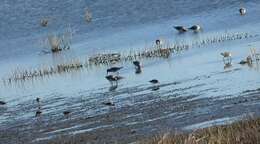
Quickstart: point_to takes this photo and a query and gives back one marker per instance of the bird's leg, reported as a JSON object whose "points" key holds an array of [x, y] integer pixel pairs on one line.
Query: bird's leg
{"points": [[230, 58], [224, 60]]}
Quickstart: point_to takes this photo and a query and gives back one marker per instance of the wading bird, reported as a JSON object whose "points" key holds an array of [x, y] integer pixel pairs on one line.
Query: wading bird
{"points": [[66, 113], [180, 29], [227, 59], [154, 81], [38, 113], [242, 11], [2, 103], [137, 65], [108, 103], [44, 22], [113, 69], [195, 28], [37, 100], [112, 78]]}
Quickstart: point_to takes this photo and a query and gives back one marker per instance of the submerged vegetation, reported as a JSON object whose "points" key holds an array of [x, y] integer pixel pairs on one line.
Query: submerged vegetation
{"points": [[62, 41], [244, 132]]}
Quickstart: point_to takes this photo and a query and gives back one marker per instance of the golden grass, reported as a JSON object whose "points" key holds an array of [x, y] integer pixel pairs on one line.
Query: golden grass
{"points": [[241, 132]]}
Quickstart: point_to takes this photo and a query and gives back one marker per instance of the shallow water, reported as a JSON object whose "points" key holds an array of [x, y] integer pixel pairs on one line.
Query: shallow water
{"points": [[195, 89]]}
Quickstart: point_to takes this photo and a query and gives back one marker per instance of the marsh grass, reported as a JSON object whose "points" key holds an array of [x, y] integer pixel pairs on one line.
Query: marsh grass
{"points": [[62, 41], [56, 42], [26, 74], [242, 132]]}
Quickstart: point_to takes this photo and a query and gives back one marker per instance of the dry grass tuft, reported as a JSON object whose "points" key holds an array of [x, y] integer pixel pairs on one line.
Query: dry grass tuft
{"points": [[241, 132]]}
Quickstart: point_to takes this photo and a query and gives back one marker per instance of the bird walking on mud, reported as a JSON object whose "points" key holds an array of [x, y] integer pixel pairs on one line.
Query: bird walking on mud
{"points": [[195, 28], [113, 69], [227, 59], [181, 29]]}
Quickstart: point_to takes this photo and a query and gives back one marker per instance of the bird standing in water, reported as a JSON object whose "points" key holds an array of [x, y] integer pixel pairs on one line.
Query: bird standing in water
{"points": [[155, 83], [112, 79], [242, 11], [227, 59], [113, 69], [2, 103], [195, 28], [137, 65], [181, 29]]}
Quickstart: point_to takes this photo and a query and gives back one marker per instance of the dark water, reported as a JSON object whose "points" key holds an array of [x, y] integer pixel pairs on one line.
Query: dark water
{"points": [[195, 78]]}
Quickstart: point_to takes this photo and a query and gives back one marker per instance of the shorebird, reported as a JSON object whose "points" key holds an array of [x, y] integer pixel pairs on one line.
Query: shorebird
{"points": [[113, 69], [108, 103], [195, 28], [37, 100], [136, 63], [180, 29], [158, 42], [227, 59], [66, 113], [113, 87], [242, 11], [88, 15], [154, 81], [112, 78], [248, 61], [138, 70], [44, 22], [2, 103], [38, 113]]}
